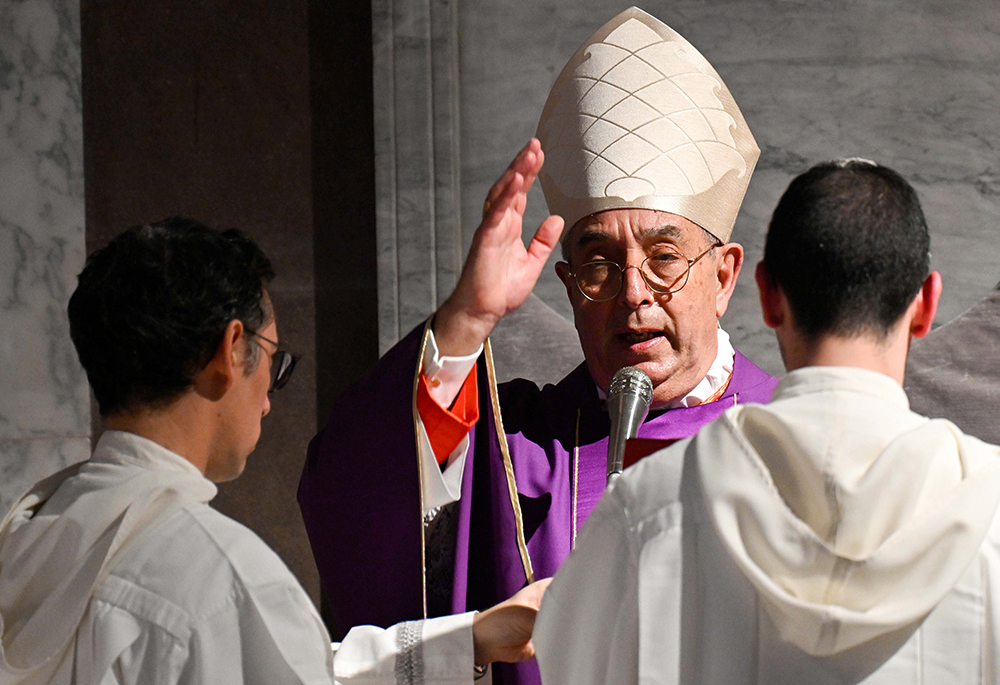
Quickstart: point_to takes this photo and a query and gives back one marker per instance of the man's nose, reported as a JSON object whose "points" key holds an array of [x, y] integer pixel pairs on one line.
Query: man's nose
{"points": [[634, 292]]}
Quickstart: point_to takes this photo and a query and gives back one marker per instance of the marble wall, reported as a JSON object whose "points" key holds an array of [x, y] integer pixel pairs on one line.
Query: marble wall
{"points": [[914, 84], [44, 403], [415, 86]]}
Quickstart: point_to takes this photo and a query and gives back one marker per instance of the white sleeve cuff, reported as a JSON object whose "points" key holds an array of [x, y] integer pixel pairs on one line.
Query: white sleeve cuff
{"points": [[440, 488], [448, 649], [438, 650], [445, 375]]}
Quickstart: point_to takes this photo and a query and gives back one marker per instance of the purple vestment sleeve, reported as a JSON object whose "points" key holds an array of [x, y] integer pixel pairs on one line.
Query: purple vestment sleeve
{"points": [[360, 499]]}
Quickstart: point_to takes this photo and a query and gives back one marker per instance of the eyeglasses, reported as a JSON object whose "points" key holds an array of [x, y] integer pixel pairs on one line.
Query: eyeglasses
{"points": [[664, 272], [282, 364]]}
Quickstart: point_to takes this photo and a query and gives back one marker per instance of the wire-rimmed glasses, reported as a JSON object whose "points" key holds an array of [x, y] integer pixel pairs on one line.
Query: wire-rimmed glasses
{"points": [[282, 364], [665, 272]]}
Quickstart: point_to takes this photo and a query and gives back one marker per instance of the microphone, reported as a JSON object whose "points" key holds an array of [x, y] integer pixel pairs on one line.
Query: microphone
{"points": [[629, 396]]}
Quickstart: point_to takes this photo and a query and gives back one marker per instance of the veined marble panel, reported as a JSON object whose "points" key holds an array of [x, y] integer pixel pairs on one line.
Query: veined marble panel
{"points": [[914, 84], [415, 81], [27, 461], [44, 403]]}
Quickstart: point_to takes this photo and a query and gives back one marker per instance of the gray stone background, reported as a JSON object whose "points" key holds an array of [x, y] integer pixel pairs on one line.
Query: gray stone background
{"points": [[457, 89], [913, 85]]}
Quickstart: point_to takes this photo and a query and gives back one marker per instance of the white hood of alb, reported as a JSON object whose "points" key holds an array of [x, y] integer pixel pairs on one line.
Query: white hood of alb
{"points": [[850, 515], [59, 541]]}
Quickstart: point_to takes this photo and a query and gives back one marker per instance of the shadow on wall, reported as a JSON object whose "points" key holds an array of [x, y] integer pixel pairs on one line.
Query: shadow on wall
{"points": [[954, 372], [536, 343]]}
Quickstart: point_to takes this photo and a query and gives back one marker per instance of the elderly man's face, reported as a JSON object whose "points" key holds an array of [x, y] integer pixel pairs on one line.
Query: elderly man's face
{"points": [[672, 337]]}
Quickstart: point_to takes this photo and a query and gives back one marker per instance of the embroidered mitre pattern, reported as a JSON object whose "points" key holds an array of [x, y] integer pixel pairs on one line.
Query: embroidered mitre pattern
{"points": [[639, 116]]}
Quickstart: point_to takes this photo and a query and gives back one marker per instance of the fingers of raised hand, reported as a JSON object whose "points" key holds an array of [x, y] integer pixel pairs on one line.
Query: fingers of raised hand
{"points": [[514, 168], [531, 171], [532, 164], [505, 197], [527, 163], [498, 189], [546, 238]]}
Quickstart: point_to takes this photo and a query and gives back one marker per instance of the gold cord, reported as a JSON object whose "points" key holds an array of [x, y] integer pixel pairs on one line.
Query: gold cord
{"points": [[508, 466], [420, 473]]}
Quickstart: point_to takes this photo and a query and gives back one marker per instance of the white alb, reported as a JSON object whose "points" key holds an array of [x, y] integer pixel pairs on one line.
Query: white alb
{"points": [[832, 536], [116, 570]]}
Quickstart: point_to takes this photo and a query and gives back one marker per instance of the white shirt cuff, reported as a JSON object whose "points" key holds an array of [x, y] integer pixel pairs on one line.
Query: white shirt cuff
{"points": [[445, 377], [437, 650], [440, 487]]}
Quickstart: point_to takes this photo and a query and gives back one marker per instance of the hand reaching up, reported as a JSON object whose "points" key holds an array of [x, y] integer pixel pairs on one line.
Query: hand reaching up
{"points": [[499, 272]]}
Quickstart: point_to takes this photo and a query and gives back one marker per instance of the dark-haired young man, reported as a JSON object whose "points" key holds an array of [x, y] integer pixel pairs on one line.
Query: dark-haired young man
{"points": [[117, 571], [832, 536]]}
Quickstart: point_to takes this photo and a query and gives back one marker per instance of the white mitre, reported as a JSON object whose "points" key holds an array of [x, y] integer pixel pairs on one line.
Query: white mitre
{"points": [[638, 118]]}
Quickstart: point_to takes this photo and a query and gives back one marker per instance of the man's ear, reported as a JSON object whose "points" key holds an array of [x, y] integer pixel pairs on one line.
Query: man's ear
{"points": [[730, 261], [225, 365], [771, 298], [925, 305]]}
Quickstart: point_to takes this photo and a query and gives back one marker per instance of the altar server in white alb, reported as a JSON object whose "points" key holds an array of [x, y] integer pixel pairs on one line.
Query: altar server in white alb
{"points": [[116, 570], [831, 536]]}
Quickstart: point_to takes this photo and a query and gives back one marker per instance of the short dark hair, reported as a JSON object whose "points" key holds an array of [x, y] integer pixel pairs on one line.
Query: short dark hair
{"points": [[151, 307], [849, 247]]}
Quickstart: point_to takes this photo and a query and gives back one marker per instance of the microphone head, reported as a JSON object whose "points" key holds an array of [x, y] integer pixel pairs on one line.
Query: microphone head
{"points": [[632, 380]]}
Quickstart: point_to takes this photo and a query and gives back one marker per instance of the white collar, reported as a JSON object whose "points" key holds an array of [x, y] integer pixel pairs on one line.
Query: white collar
{"points": [[813, 379], [122, 447]]}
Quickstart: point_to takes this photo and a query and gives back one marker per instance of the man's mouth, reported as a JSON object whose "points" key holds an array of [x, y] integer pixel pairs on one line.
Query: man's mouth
{"points": [[636, 338]]}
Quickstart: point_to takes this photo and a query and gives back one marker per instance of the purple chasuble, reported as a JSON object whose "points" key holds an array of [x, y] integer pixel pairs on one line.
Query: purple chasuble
{"points": [[360, 498]]}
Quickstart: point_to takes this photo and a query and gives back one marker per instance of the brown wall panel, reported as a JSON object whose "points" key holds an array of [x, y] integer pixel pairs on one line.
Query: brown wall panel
{"points": [[206, 109]]}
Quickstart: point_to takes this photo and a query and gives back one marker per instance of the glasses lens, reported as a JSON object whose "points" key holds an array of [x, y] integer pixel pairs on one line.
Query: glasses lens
{"points": [[282, 366], [666, 271], [599, 281]]}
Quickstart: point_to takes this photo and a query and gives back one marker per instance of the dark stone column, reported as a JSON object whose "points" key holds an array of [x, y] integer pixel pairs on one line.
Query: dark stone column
{"points": [[256, 115]]}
